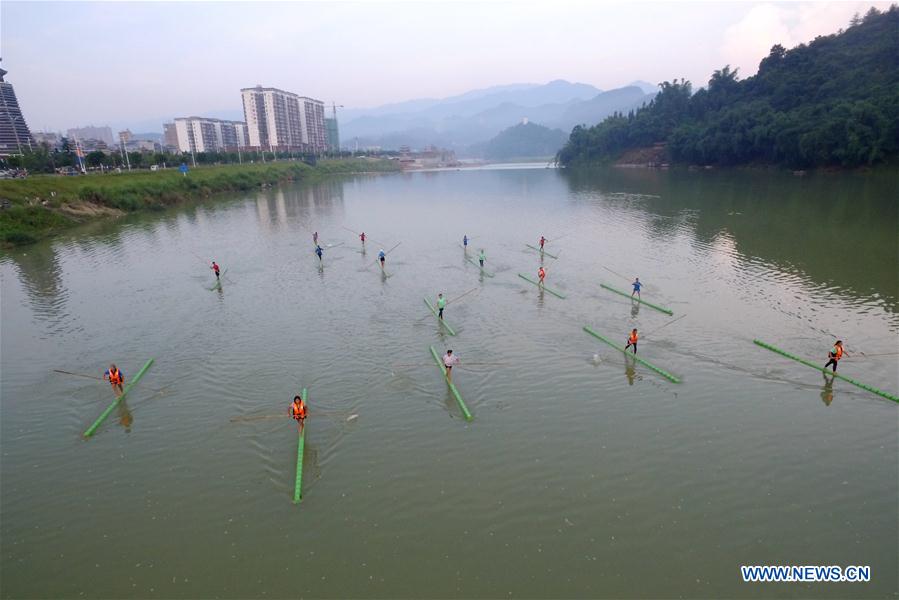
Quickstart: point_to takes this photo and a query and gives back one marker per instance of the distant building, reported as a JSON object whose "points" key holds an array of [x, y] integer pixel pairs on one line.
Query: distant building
{"points": [[125, 136], [332, 135], [51, 139], [169, 137], [200, 134], [92, 145], [142, 146], [14, 134], [91, 133], [279, 120]]}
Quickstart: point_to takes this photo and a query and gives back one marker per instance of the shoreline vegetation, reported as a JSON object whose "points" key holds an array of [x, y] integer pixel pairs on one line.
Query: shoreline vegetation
{"points": [[831, 103], [40, 206]]}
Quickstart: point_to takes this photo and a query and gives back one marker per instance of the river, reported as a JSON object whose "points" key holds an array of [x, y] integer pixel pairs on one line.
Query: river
{"points": [[582, 473]]}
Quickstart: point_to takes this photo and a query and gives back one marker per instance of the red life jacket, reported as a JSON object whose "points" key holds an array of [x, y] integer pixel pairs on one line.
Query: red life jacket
{"points": [[115, 377], [298, 411], [632, 338]]}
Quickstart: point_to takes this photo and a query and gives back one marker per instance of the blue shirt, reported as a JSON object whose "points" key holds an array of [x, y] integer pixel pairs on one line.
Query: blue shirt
{"points": [[381, 254], [465, 240], [637, 285]]}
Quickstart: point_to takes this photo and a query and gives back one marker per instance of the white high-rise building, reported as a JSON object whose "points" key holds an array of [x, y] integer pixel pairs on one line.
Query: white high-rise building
{"points": [[199, 134], [279, 120]]}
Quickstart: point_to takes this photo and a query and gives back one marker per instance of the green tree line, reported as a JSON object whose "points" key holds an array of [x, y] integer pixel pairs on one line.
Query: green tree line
{"points": [[44, 159], [832, 102]]}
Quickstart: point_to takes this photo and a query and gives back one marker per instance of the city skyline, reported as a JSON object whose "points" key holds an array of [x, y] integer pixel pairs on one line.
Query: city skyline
{"points": [[330, 50]]}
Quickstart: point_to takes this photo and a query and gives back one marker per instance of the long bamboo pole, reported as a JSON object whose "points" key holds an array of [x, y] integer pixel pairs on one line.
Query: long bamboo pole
{"points": [[661, 372], [436, 314], [550, 290], [452, 386], [301, 443], [807, 363], [90, 430], [667, 311]]}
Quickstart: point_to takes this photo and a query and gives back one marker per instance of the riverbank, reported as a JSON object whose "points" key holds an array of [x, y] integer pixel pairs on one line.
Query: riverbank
{"points": [[43, 205]]}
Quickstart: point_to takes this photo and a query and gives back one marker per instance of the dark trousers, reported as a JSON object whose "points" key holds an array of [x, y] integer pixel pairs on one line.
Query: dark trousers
{"points": [[629, 345], [832, 362]]}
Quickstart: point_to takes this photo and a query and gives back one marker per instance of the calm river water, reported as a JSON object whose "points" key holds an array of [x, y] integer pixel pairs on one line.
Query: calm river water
{"points": [[582, 474]]}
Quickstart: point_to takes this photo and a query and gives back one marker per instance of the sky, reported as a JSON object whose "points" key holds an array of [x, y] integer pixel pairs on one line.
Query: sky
{"points": [[137, 64]]}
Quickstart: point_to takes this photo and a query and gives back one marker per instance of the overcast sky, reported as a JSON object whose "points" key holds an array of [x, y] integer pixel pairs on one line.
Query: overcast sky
{"points": [[123, 64]]}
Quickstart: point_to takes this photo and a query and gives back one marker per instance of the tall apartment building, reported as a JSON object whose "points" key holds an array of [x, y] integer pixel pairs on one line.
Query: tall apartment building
{"points": [[104, 134], [332, 134], [279, 120], [14, 134], [169, 137], [199, 134]]}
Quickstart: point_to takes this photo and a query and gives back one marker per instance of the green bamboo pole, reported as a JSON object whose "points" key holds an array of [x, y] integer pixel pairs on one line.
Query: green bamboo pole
{"points": [[452, 386], [478, 265], [541, 251], [551, 291], [90, 430], [661, 372], [436, 314], [626, 295], [218, 280], [301, 443], [807, 363]]}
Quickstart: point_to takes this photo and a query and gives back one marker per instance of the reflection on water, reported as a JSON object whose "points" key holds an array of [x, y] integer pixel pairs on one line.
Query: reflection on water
{"points": [[831, 227], [40, 273], [565, 464]]}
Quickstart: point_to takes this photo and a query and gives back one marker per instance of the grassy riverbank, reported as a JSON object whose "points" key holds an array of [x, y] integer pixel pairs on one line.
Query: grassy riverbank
{"points": [[42, 205]]}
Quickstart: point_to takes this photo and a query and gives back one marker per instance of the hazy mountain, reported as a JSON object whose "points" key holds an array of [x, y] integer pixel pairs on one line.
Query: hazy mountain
{"points": [[591, 112], [648, 88], [525, 140], [448, 114], [461, 122]]}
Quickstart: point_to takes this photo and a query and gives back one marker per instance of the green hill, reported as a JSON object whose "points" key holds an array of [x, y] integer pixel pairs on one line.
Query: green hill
{"points": [[525, 140], [832, 102]]}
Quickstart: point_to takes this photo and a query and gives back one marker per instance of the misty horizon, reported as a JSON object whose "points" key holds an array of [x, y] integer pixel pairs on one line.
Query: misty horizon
{"points": [[136, 67]]}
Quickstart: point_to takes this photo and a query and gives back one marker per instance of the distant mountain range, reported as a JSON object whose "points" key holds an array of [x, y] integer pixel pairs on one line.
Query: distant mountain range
{"points": [[464, 121]]}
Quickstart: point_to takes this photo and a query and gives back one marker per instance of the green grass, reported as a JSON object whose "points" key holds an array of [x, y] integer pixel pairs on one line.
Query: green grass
{"points": [[37, 204]]}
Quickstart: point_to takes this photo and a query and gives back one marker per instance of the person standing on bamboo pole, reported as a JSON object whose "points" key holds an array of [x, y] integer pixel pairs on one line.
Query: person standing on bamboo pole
{"points": [[297, 411], [541, 273], [116, 379], [834, 356], [441, 304], [449, 361], [632, 341], [637, 285], [482, 257]]}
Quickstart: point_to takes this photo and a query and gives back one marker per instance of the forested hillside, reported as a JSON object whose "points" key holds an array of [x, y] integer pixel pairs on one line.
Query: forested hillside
{"points": [[525, 140], [833, 102]]}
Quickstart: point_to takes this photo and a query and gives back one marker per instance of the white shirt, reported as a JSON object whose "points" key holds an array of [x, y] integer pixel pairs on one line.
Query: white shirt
{"points": [[450, 359]]}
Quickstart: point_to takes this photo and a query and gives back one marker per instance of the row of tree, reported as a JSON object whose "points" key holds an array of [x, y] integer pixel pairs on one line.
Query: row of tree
{"points": [[834, 101], [44, 159]]}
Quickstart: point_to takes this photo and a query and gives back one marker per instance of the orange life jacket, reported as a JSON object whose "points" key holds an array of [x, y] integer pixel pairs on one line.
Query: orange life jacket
{"points": [[115, 377], [632, 338], [298, 411], [837, 352], [541, 273]]}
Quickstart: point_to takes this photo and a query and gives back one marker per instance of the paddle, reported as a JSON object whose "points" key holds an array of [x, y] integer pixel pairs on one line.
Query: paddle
{"points": [[386, 253], [101, 379], [616, 273], [664, 326], [462, 296]]}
